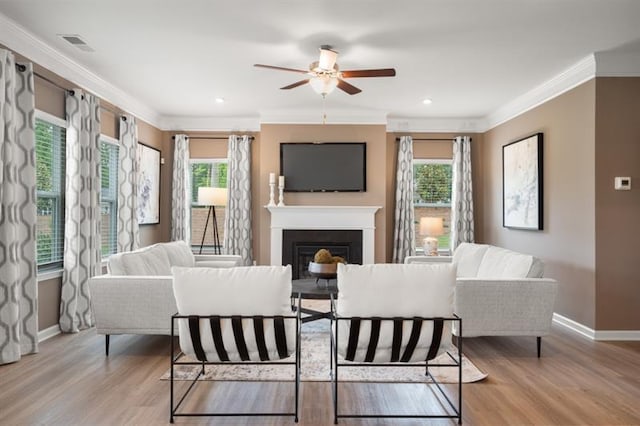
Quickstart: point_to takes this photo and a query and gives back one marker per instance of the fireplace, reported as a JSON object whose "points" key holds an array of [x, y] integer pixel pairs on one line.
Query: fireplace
{"points": [[323, 218], [300, 245]]}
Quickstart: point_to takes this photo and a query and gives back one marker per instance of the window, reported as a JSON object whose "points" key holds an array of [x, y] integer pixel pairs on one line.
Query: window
{"points": [[109, 195], [210, 173], [50, 172], [432, 195]]}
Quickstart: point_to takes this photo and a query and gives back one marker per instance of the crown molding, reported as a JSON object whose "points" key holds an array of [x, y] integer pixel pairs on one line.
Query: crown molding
{"points": [[193, 124], [577, 74], [617, 64], [22, 41], [439, 125], [333, 116]]}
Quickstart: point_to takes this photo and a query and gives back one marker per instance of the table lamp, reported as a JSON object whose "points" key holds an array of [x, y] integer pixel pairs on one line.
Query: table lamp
{"points": [[431, 228], [208, 196]]}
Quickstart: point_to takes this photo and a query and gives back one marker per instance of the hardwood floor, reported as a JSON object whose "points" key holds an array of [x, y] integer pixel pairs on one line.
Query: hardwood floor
{"points": [[576, 382]]}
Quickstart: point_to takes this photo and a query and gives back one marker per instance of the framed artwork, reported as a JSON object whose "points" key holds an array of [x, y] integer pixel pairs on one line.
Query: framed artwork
{"points": [[522, 183], [148, 185]]}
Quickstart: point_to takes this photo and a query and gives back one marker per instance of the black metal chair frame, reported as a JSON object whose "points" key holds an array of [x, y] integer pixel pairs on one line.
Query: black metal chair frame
{"points": [[175, 360], [456, 361]]}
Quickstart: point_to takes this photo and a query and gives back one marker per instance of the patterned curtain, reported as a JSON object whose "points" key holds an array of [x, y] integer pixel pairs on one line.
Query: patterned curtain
{"points": [[128, 237], [462, 193], [82, 245], [238, 238], [18, 284], [404, 234], [181, 191]]}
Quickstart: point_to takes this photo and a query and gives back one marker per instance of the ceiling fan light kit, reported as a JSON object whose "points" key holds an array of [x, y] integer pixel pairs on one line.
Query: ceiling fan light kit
{"points": [[325, 75], [323, 84]]}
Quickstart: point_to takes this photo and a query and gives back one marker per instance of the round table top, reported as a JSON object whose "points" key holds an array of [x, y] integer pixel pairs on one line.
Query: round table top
{"points": [[308, 289]]}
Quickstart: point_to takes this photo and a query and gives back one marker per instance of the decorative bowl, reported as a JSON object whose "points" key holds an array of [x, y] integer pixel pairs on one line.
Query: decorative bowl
{"points": [[323, 270]]}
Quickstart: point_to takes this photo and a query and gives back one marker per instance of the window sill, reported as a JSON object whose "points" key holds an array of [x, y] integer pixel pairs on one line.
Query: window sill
{"points": [[49, 275], [57, 273]]}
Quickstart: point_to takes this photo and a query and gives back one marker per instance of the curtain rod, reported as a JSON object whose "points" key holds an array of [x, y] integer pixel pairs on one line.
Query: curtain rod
{"points": [[209, 137], [22, 68], [430, 139]]}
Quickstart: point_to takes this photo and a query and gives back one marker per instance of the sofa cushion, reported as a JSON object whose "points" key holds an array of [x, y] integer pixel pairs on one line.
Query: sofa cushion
{"points": [[537, 268], [247, 291], [179, 253], [225, 291], [502, 263], [395, 290], [467, 257], [151, 260]]}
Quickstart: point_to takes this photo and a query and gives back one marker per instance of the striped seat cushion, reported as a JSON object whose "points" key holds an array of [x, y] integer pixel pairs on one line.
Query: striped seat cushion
{"points": [[248, 292], [400, 291]]}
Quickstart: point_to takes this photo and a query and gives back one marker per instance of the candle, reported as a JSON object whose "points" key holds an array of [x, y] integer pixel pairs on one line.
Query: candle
{"points": [[281, 181], [272, 177]]}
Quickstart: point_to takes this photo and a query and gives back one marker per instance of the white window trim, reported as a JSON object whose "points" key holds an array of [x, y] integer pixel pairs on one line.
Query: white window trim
{"points": [[433, 161], [45, 116], [48, 274], [205, 161], [113, 142], [109, 140]]}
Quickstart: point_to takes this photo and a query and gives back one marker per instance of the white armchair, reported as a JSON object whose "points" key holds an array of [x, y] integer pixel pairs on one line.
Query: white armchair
{"points": [[395, 315], [500, 292], [136, 296]]}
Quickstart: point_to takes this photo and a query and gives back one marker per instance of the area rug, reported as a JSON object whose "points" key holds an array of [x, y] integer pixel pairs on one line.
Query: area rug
{"points": [[315, 366]]}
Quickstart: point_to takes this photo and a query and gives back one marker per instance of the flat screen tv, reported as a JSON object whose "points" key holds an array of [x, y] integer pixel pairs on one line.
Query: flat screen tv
{"points": [[324, 167]]}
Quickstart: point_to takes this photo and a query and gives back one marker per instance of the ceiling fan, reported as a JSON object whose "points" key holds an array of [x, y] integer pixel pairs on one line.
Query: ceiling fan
{"points": [[325, 75]]}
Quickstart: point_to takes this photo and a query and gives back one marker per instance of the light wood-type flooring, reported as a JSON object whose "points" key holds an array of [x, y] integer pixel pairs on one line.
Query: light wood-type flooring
{"points": [[576, 382]]}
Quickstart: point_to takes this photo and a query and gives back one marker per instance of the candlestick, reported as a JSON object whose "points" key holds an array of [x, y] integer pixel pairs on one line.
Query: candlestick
{"points": [[281, 192], [272, 178], [272, 187]]}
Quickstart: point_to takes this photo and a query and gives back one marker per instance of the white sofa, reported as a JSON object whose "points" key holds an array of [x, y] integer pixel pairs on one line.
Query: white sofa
{"points": [[136, 295], [500, 292]]}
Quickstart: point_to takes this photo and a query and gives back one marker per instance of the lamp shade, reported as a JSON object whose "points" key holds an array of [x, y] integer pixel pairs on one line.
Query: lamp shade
{"points": [[431, 226], [208, 196]]}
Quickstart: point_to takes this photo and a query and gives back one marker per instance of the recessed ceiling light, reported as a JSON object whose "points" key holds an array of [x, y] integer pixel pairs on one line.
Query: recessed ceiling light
{"points": [[427, 101], [219, 100]]}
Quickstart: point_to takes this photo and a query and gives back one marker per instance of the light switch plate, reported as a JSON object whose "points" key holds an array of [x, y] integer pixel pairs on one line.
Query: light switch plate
{"points": [[623, 183]]}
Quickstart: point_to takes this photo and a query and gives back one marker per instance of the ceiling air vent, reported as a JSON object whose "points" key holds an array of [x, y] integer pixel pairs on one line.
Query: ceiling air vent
{"points": [[77, 41]]}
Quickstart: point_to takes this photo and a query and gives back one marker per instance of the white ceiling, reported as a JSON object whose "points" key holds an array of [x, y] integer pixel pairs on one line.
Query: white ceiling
{"points": [[173, 58]]}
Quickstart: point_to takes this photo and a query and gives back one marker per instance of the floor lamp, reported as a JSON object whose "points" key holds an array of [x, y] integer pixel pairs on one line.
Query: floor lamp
{"points": [[212, 197]]}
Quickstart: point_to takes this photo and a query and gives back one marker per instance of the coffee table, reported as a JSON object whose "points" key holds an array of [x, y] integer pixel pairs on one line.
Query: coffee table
{"points": [[307, 288]]}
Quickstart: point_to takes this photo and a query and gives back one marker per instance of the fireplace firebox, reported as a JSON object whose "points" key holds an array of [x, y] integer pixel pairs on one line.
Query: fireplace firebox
{"points": [[300, 245]]}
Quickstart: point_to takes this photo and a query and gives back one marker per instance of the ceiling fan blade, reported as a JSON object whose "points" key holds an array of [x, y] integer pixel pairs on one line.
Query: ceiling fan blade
{"points": [[349, 88], [383, 72], [280, 68], [296, 84]]}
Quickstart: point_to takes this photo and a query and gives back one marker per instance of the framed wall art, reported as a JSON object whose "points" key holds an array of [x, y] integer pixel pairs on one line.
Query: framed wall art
{"points": [[522, 183], [148, 185]]}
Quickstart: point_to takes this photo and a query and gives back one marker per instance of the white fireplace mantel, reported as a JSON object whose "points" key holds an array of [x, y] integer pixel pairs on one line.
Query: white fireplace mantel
{"points": [[323, 217]]}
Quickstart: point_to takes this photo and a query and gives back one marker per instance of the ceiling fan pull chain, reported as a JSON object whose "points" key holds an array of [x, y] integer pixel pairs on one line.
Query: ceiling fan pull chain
{"points": [[324, 112]]}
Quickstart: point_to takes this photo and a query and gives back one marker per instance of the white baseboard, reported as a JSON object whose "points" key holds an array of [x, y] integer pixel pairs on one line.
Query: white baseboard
{"points": [[633, 335], [48, 333], [599, 335]]}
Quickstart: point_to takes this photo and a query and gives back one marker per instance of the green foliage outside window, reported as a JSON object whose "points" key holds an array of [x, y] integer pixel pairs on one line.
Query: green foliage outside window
{"points": [[432, 183], [207, 174]]}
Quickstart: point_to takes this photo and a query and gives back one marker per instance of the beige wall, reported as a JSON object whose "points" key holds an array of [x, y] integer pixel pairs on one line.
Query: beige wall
{"points": [[617, 213], [567, 243], [271, 135]]}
